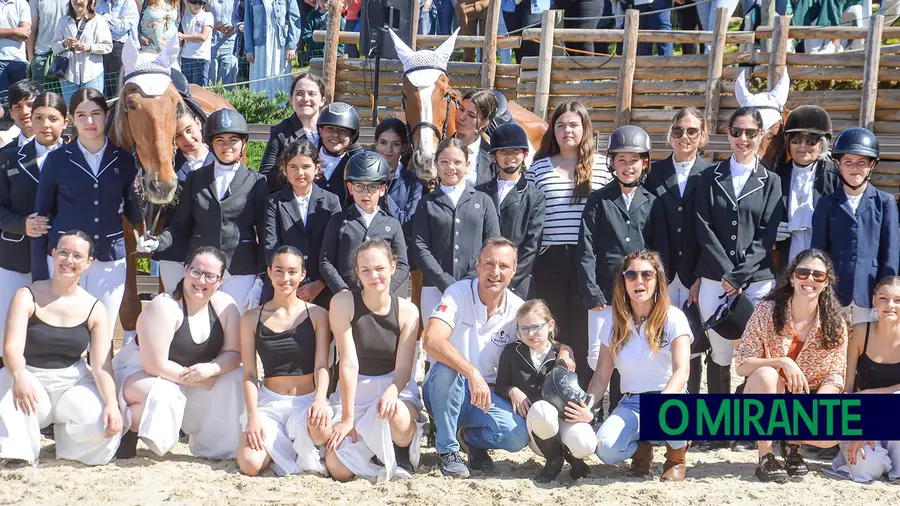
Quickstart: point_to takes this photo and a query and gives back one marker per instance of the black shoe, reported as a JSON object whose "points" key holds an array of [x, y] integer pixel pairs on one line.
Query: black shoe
{"points": [[551, 470], [128, 446], [579, 469], [16, 463], [769, 470], [47, 432], [401, 454], [479, 459], [793, 461], [828, 453], [552, 449]]}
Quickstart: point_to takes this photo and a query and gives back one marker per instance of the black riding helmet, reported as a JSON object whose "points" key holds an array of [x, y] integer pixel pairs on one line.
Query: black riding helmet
{"points": [[225, 121], [856, 141], [367, 166], [508, 136], [341, 115], [560, 387], [809, 118], [629, 139]]}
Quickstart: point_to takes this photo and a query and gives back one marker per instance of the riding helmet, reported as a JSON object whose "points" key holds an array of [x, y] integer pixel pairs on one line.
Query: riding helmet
{"points": [[508, 136], [809, 118], [502, 117], [225, 121], [341, 115], [367, 166], [856, 141], [629, 139], [560, 387], [731, 317]]}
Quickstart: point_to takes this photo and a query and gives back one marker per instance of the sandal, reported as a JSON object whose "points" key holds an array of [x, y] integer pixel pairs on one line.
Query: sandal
{"points": [[793, 461], [769, 470]]}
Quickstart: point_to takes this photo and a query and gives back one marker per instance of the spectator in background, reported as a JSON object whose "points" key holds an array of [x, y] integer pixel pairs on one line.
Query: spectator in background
{"points": [[445, 16], [223, 65], [159, 23], [122, 18], [658, 17], [195, 34], [318, 20], [428, 16], [688, 19], [45, 15], [15, 28], [518, 15], [86, 37], [272, 32], [581, 14], [707, 13], [353, 21]]}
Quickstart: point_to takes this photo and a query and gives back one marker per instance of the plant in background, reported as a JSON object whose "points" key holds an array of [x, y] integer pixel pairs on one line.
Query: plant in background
{"points": [[255, 105]]}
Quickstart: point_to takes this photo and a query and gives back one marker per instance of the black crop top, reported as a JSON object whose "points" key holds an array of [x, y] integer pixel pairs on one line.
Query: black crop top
{"points": [[49, 347], [184, 351], [288, 353], [375, 337], [871, 374]]}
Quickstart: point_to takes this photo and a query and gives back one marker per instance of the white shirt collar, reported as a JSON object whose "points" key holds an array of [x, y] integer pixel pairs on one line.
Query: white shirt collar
{"points": [[739, 169], [40, 149], [367, 217], [504, 187], [226, 168], [683, 168], [454, 192], [474, 150], [98, 154], [628, 197], [22, 140]]}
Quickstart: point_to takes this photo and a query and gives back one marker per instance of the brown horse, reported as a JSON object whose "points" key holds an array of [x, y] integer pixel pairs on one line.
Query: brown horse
{"points": [[145, 126]]}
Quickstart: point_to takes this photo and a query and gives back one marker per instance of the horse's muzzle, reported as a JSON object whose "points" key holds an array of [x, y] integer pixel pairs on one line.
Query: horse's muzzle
{"points": [[160, 192], [423, 165]]}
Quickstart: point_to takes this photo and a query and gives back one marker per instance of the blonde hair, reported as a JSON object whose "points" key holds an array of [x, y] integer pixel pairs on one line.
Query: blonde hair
{"points": [[623, 317], [540, 309]]}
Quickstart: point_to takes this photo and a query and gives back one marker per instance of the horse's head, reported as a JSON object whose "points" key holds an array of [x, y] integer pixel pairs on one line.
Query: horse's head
{"points": [[429, 101], [771, 106], [146, 118]]}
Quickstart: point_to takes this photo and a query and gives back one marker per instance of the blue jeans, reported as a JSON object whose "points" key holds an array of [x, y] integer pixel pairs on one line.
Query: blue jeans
{"points": [[428, 20], [657, 21], [195, 70], [39, 67], [224, 67], [69, 88], [447, 400], [11, 72], [445, 15], [617, 438]]}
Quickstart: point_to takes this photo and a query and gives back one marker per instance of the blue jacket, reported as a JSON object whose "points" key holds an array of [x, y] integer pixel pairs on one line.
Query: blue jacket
{"points": [[285, 14], [74, 199], [403, 197], [864, 247]]}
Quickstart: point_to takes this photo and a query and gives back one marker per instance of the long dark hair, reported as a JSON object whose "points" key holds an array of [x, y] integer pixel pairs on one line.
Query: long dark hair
{"points": [[88, 95], [81, 235], [831, 319], [549, 147], [178, 292]]}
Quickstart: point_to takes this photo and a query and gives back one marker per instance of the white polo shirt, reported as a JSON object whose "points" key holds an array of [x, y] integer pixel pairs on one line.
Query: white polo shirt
{"points": [[478, 339]]}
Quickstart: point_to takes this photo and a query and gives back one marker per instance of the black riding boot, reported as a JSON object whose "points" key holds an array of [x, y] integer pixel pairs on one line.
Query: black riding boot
{"points": [[696, 376], [128, 445], [718, 381], [553, 452]]}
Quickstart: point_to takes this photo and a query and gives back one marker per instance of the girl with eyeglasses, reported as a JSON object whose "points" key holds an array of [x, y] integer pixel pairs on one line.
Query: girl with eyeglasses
{"points": [[808, 176], [795, 342], [451, 224], [858, 225], [873, 367], [182, 371], [648, 341], [49, 327], [520, 374], [738, 209]]}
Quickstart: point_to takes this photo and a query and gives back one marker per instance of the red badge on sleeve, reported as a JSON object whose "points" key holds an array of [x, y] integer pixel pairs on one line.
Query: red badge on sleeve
{"points": [[441, 309]]}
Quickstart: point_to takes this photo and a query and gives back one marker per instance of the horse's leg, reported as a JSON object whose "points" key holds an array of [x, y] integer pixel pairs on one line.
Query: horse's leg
{"points": [[131, 303]]}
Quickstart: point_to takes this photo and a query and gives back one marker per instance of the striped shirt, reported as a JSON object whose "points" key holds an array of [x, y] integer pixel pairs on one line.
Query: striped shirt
{"points": [[562, 218]]}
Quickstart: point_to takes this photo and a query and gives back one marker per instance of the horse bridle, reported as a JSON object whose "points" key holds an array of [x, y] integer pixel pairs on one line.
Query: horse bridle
{"points": [[448, 98]]}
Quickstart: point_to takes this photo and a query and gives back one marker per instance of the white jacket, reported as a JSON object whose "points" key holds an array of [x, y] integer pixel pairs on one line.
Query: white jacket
{"points": [[83, 66]]}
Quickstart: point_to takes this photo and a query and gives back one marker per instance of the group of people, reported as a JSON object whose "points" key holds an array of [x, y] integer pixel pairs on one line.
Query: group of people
{"points": [[598, 269]]}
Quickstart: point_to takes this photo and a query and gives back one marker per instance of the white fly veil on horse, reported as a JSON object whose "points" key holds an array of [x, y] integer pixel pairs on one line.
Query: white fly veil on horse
{"points": [[770, 104], [150, 72], [424, 66]]}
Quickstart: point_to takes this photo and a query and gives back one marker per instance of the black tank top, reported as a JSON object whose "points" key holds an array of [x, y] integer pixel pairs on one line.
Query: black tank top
{"points": [[871, 374], [49, 347], [288, 353], [375, 337], [184, 351]]}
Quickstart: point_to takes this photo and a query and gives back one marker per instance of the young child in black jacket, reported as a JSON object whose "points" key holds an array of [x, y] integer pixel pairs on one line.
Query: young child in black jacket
{"points": [[521, 371]]}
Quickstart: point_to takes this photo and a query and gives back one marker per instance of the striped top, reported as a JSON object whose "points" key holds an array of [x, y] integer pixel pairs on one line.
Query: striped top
{"points": [[562, 218]]}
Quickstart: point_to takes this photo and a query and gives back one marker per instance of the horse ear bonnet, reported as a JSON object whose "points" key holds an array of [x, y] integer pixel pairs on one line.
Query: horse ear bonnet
{"points": [[809, 118], [856, 141], [341, 115], [367, 166], [560, 387], [508, 136]]}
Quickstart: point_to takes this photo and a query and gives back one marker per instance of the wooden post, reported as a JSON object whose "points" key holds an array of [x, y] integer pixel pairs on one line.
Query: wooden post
{"points": [[767, 16], [626, 71], [870, 72], [545, 61], [714, 77], [414, 6], [489, 53], [329, 62], [778, 56]]}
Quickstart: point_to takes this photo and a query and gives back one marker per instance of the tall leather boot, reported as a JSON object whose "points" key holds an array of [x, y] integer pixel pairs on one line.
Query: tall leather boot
{"points": [[642, 459], [718, 378], [579, 469], [696, 376], [674, 468], [553, 451]]}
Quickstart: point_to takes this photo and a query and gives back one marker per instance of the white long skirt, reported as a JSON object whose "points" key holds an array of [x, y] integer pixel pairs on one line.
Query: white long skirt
{"points": [[211, 418], [287, 439], [885, 458], [374, 433], [67, 398], [268, 72]]}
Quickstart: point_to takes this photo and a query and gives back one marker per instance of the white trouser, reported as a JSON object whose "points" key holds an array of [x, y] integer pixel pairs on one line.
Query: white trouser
{"points": [[239, 288], [67, 398], [859, 314], [596, 321], [10, 281], [710, 292], [106, 281], [543, 421], [678, 296], [884, 459], [170, 272], [287, 440]]}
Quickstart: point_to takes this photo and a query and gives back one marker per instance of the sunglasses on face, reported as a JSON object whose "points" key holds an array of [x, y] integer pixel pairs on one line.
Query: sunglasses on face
{"points": [[803, 274], [366, 188], [808, 139], [678, 132], [530, 330], [738, 132], [633, 275]]}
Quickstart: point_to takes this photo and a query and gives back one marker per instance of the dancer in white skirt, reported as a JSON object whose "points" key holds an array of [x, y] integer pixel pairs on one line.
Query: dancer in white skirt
{"points": [[181, 372], [380, 427], [288, 417], [50, 325]]}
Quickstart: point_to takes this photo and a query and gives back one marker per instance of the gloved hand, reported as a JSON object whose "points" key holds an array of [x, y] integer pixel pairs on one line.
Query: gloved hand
{"points": [[147, 244], [783, 232]]}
